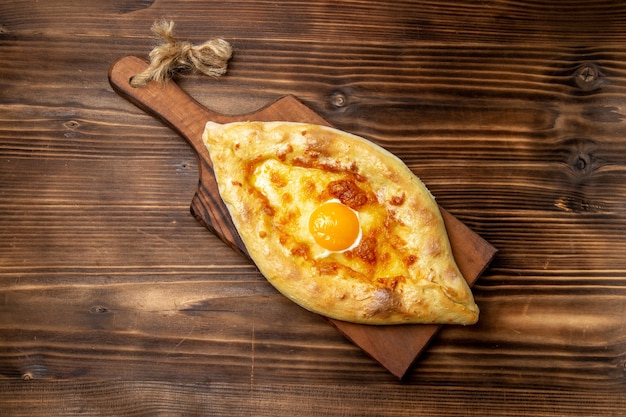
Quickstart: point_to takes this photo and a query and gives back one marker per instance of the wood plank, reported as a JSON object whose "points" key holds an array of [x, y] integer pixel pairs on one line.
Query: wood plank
{"points": [[483, 100], [575, 22], [508, 198], [278, 399]]}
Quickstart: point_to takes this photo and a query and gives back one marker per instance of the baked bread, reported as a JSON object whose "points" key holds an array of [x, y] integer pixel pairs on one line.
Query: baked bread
{"points": [[338, 224]]}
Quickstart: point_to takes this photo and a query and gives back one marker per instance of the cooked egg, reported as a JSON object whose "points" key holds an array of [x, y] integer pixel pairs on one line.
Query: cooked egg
{"points": [[335, 227]]}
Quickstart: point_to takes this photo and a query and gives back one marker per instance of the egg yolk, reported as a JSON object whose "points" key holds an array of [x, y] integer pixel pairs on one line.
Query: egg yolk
{"points": [[334, 226]]}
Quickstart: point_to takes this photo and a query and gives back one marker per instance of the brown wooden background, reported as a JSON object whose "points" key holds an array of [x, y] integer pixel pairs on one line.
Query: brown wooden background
{"points": [[115, 301]]}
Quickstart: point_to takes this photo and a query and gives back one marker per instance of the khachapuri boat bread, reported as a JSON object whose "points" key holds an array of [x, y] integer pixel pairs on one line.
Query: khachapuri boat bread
{"points": [[338, 224]]}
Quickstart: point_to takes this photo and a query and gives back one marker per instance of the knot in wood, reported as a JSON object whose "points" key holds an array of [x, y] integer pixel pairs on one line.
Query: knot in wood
{"points": [[581, 159], [98, 310], [581, 162], [587, 76], [72, 124], [338, 99]]}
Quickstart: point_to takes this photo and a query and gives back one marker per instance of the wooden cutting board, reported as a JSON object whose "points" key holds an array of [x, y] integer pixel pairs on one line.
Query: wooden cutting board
{"points": [[394, 347]]}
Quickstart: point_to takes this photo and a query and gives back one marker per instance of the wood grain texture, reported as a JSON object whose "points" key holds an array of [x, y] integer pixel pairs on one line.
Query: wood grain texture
{"points": [[105, 307]]}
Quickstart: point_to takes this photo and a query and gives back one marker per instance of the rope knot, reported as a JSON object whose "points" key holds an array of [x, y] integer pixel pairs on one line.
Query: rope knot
{"points": [[173, 57]]}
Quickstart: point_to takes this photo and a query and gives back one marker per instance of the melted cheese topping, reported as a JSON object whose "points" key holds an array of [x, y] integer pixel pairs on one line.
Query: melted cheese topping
{"points": [[293, 194], [382, 258]]}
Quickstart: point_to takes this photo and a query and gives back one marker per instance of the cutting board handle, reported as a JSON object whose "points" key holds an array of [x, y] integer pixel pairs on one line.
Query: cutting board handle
{"points": [[172, 105], [165, 100]]}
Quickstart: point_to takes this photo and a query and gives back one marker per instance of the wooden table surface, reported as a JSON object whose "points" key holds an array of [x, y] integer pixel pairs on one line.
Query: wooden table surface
{"points": [[115, 301]]}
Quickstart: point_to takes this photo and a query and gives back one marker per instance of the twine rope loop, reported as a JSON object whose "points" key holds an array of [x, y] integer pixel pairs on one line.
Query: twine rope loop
{"points": [[173, 57]]}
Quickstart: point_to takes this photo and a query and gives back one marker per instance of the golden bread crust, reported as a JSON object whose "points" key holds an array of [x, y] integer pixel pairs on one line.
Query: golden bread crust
{"points": [[272, 175]]}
